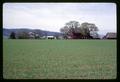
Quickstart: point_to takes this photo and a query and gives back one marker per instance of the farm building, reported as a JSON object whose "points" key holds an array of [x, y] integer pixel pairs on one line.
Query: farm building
{"points": [[50, 37], [33, 35], [110, 35]]}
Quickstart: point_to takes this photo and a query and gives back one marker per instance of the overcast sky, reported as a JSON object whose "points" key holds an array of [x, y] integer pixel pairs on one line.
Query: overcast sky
{"points": [[53, 16]]}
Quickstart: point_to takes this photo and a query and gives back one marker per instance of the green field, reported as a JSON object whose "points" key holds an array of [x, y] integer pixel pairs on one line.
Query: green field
{"points": [[59, 59]]}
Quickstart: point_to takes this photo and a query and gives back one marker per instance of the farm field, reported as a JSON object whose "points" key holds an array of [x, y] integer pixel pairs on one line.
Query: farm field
{"points": [[59, 59]]}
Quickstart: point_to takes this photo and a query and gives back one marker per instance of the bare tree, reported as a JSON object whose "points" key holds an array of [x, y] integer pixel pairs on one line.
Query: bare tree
{"points": [[74, 29], [87, 28]]}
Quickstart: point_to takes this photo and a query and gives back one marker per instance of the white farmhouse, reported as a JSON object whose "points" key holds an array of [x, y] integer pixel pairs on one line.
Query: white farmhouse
{"points": [[50, 37]]}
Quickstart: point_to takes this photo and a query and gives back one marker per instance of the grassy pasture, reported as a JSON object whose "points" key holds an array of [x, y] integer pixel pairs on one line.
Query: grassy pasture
{"points": [[59, 59]]}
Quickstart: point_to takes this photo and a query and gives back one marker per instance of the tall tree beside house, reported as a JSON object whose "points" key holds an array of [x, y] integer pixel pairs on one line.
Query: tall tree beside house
{"points": [[12, 35], [74, 27], [64, 32], [70, 28], [77, 31]]}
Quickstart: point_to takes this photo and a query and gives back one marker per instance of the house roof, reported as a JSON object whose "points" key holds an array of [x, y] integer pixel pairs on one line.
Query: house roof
{"points": [[50, 36], [111, 35]]}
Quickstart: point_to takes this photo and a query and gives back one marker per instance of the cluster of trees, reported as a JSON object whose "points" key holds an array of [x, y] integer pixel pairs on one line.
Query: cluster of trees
{"points": [[23, 35], [74, 30]]}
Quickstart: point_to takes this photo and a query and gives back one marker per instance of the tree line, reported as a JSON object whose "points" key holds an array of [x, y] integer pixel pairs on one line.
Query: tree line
{"points": [[23, 35], [71, 30]]}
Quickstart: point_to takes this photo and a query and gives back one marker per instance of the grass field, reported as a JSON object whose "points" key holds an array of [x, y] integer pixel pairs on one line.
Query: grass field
{"points": [[59, 59]]}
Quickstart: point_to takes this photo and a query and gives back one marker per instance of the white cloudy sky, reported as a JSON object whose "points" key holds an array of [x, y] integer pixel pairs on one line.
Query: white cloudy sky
{"points": [[53, 16]]}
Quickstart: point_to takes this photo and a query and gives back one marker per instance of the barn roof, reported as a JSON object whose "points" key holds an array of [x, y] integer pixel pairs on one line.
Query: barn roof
{"points": [[111, 35]]}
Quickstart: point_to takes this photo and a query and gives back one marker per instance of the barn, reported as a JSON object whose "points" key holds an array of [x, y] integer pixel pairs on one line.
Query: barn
{"points": [[110, 35]]}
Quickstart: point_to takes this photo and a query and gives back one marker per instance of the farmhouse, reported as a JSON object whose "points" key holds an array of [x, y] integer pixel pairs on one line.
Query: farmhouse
{"points": [[110, 35], [33, 35], [50, 37]]}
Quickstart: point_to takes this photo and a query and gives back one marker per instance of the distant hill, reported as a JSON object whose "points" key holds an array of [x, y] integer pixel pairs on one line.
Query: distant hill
{"points": [[7, 32]]}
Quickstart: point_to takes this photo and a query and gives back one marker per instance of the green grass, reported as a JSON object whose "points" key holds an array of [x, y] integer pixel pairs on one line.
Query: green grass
{"points": [[59, 59]]}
